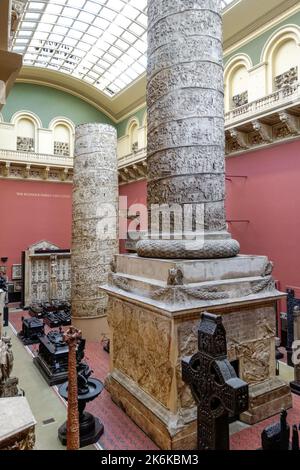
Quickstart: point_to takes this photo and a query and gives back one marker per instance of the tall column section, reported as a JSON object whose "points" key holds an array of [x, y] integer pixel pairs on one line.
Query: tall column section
{"points": [[94, 229], [185, 102]]}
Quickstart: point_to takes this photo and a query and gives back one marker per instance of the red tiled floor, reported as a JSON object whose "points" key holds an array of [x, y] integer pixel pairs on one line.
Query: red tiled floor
{"points": [[122, 434]]}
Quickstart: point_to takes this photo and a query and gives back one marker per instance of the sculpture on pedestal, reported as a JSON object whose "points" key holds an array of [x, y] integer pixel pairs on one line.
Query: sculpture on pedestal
{"points": [[182, 270], [215, 386], [90, 428], [8, 384]]}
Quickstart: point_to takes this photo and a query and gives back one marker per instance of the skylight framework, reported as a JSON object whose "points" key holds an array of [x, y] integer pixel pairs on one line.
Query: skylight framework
{"points": [[103, 42]]}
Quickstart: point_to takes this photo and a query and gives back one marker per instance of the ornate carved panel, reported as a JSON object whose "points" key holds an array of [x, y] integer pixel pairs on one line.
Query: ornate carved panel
{"points": [[25, 144], [240, 99], [286, 78], [47, 275]]}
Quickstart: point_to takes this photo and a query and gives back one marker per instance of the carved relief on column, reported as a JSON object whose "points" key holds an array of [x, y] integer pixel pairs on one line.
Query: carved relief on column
{"points": [[185, 103], [95, 199]]}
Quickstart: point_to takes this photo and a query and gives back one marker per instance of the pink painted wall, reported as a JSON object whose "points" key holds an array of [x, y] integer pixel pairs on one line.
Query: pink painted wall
{"points": [[270, 199], [30, 212]]}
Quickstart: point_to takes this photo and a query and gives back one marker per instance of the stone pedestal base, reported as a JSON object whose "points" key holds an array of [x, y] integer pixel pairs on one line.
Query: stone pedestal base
{"points": [[150, 416], [295, 387], [90, 431], [93, 329], [267, 399], [9, 388], [154, 311], [17, 424]]}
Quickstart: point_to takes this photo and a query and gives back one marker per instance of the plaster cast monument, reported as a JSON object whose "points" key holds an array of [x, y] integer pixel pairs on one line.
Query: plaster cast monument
{"points": [[95, 195], [47, 273], [156, 297]]}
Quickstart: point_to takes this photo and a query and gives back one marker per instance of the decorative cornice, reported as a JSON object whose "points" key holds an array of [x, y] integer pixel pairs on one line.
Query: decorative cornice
{"points": [[260, 24]]}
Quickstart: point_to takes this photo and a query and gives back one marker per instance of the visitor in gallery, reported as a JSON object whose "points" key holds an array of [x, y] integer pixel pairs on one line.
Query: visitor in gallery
{"points": [[3, 283]]}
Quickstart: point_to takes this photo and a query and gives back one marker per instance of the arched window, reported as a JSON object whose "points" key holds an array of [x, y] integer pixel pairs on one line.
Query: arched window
{"points": [[63, 131], [61, 140], [26, 132], [285, 64], [236, 78], [134, 137], [281, 54], [239, 87]]}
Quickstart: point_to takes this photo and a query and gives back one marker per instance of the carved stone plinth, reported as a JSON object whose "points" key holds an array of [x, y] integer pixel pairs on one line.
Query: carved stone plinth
{"points": [[154, 312], [185, 149], [17, 424], [94, 235]]}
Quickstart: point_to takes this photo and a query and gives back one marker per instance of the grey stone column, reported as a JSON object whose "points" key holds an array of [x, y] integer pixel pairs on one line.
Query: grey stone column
{"points": [[95, 206], [185, 102]]}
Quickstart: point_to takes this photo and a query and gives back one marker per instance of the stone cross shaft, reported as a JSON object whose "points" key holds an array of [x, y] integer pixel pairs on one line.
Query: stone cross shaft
{"points": [[72, 336], [185, 155], [217, 390]]}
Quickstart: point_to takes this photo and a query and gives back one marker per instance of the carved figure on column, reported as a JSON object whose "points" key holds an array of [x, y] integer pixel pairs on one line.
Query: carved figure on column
{"points": [[185, 153]]}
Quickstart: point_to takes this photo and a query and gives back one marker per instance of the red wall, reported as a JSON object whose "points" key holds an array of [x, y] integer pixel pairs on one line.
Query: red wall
{"points": [[30, 212], [270, 199]]}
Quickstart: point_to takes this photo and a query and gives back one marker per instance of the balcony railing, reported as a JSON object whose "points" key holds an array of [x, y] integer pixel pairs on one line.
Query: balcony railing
{"points": [[279, 98], [131, 158], [35, 158]]}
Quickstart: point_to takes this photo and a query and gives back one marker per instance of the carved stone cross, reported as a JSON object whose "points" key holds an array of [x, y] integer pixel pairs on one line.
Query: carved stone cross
{"points": [[214, 384], [72, 336]]}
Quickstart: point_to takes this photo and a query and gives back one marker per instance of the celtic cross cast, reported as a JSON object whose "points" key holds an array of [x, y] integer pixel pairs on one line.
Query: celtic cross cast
{"points": [[215, 387]]}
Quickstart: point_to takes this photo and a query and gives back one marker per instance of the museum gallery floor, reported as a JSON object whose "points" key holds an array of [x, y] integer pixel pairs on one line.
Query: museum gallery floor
{"points": [[120, 432]]}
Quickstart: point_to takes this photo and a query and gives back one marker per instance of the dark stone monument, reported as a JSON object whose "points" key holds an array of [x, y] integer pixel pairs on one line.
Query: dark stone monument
{"points": [[55, 313], [90, 428], [277, 436], [52, 358], [215, 386], [32, 330]]}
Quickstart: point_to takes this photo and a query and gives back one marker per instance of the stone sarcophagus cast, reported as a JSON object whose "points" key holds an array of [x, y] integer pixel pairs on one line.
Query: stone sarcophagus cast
{"points": [[47, 274]]}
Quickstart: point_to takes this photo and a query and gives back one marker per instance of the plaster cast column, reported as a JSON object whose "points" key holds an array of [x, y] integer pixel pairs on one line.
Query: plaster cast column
{"points": [[94, 230], [185, 104]]}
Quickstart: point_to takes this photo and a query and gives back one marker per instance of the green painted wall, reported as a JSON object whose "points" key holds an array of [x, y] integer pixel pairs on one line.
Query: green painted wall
{"points": [[139, 115], [48, 103], [254, 48]]}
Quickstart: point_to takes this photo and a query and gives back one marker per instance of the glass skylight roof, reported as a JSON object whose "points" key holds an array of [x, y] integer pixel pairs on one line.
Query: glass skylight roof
{"points": [[102, 42]]}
